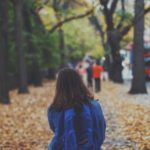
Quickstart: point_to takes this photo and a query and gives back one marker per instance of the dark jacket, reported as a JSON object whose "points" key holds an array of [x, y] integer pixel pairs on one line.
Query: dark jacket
{"points": [[77, 131]]}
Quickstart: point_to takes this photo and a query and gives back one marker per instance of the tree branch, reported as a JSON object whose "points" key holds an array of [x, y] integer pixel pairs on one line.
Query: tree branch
{"points": [[84, 3], [122, 16], [95, 22], [104, 2], [126, 29], [70, 19], [45, 2], [36, 17], [113, 6], [107, 14]]}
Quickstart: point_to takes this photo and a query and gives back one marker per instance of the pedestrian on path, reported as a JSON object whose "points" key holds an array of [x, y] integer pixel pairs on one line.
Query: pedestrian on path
{"points": [[89, 75], [104, 75], [81, 69], [74, 116], [97, 70]]}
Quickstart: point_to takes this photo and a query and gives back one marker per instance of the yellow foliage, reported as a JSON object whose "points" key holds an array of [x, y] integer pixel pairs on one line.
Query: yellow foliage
{"points": [[47, 15]]}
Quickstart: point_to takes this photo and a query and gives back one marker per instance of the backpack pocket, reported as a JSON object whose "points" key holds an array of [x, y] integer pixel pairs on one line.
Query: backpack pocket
{"points": [[85, 141], [71, 143], [59, 144]]}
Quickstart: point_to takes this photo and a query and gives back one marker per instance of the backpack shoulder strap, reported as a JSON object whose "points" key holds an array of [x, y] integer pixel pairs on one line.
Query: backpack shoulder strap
{"points": [[70, 135], [98, 121]]}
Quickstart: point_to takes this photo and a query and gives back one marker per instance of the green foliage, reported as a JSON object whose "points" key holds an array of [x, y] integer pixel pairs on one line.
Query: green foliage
{"points": [[44, 45], [127, 17], [46, 48], [80, 38], [52, 50]]}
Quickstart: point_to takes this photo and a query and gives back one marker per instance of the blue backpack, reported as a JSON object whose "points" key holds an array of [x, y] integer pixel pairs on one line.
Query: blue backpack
{"points": [[80, 131]]}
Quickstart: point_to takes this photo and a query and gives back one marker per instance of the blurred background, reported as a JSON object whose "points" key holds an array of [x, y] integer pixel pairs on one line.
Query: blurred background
{"points": [[39, 37]]}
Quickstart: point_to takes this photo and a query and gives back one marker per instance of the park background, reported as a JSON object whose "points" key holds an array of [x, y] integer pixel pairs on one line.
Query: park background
{"points": [[39, 37]]}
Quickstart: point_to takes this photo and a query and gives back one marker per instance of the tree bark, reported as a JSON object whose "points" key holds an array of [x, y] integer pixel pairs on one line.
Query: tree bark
{"points": [[4, 92], [116, 68], [18, 4], [35, 73], [138, 82], [116, 34], [113, 40], [61, 36], [62, 48]]}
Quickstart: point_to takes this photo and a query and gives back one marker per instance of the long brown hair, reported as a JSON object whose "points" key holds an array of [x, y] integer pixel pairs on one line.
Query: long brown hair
{"points": [[70, 90]]}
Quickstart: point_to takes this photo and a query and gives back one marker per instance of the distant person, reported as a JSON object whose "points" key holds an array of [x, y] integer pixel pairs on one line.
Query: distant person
{"points": [[89, 75], [81, 69], [70, 65], [104, 75], [97, 70], [74, 116]]}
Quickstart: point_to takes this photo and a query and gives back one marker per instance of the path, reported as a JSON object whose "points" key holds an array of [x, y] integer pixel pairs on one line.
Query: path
{"points": [[128, 121], [23, 124]]}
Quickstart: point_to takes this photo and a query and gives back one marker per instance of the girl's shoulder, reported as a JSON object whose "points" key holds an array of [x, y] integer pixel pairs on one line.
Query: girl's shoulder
{"points": [[95, 102], [55, 113], [54, 116], [96, 106], [53, 110]]}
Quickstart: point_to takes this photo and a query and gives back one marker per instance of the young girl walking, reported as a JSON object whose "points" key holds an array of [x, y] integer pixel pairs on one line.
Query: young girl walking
{"points": [[74, 116]]}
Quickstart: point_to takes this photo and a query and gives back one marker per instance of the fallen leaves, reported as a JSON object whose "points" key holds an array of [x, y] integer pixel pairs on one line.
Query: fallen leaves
{"points": [[24, 126], [132, 117]]}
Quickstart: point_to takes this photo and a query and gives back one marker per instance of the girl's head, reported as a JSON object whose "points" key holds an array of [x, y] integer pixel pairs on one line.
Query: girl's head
{"points": [[70, 90]]}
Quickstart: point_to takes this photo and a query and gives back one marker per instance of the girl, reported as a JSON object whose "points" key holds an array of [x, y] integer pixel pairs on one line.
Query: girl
{"points": [[74, 116]]}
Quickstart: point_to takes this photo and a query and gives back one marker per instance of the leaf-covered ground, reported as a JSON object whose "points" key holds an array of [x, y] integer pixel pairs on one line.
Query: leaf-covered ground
{"points": [[128, 118], [23, 124]]}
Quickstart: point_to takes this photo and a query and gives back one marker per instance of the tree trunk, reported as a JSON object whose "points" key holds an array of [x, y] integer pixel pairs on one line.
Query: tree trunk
{"points": [[58, 15], [113, 40], [18, 4], [138, 82], [116, 68], [108, 65], [62, 48], [35, 73], [4, 92]]}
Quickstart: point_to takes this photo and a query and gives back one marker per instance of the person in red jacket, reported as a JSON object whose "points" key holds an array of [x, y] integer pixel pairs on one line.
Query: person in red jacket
{"points": [[97, 70]]}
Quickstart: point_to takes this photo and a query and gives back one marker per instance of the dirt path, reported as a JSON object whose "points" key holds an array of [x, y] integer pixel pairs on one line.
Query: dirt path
{"points": [[23, 124], [128, 121]]}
